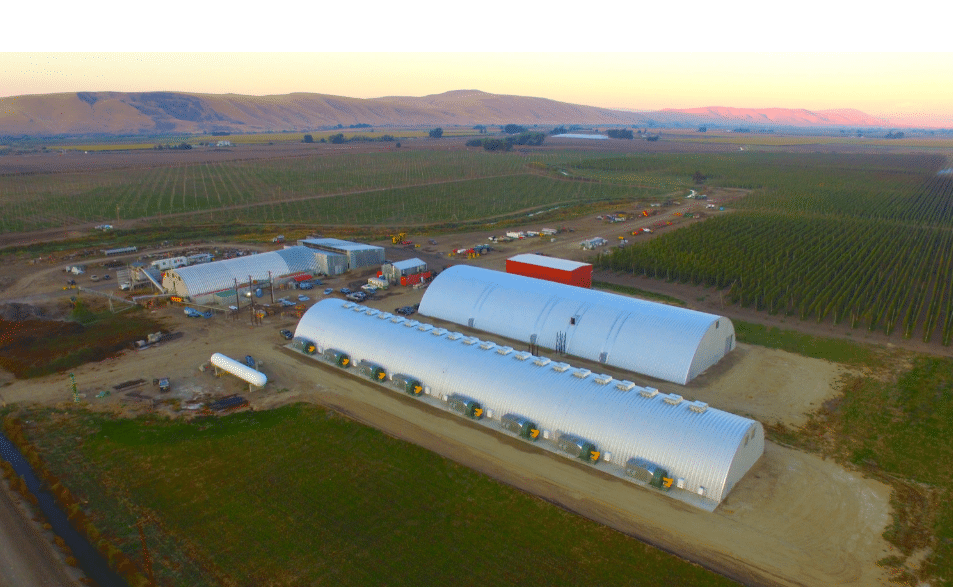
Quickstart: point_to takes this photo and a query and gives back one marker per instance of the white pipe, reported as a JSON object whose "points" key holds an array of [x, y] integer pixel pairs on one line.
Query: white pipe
{"points": [[240, 370]]}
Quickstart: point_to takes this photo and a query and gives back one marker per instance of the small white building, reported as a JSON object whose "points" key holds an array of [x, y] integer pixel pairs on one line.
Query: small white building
{"points": [[394, 271]]}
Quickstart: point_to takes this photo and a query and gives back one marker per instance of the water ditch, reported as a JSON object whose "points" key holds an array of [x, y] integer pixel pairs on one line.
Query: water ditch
{"points": [[90, 560]]}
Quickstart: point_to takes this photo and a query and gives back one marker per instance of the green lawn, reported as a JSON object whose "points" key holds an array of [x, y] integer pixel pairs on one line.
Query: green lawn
{"points": [[302, 496]]}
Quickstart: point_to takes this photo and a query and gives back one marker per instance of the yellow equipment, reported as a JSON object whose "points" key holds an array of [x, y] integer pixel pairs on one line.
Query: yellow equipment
{"points": [[398, 238]]}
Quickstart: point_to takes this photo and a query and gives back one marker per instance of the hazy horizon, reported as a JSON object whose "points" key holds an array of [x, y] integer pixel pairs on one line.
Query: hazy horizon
{"points": [[901, 87]]}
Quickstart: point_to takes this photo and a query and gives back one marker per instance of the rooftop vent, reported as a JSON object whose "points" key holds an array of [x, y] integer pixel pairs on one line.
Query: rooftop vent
{"points": [[624, 385], [438, 331], [581, 373], [359, 308], [487, 345], [522, 356], [373, 311], [672, 399], [348, 305], [603, 379], [411, 323], [649, 392], [541, 361], [454, 336], [425, 327], [470, 340], [398, 319], [560, 367], [504, 350], [698, 407], [385, 315]]}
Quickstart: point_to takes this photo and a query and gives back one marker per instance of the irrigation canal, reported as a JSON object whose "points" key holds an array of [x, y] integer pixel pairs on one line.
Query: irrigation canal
{"points": [[90, 560]]}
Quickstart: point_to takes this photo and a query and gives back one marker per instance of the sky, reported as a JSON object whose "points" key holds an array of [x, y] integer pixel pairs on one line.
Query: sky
{"points": [[891, 63]]}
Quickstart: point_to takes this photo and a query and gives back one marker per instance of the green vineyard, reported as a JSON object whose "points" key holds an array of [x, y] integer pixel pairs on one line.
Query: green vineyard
{"points": [[343, 188], [863, 240]]}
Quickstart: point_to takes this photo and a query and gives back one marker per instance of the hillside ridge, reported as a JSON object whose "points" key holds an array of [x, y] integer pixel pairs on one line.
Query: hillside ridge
{"points": [[133, 113]]}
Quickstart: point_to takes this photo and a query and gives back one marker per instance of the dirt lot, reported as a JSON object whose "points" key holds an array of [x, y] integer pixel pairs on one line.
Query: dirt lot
{"points": [[795, 519]]}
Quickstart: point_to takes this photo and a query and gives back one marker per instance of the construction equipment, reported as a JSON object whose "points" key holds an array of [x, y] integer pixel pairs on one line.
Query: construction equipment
{"points": [[398, 238]]}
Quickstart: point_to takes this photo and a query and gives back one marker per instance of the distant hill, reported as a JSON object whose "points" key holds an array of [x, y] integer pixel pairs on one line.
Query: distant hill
{"points": [[781, 116], [178, 112]]}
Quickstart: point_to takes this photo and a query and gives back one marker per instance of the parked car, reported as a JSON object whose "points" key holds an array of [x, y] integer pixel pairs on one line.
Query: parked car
{"points": [[164, 385], [303, 298], [94, 278], [357, 296], [286, 334], [106, 276], [329, 291], [406, 310], [250, 361], [345, 291], [305, 285]]}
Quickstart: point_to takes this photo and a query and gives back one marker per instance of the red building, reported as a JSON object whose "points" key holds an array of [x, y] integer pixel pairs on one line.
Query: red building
{"points": [[551, 269]]}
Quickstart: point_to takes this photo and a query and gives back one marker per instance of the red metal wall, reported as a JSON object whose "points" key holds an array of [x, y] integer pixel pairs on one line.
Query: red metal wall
{"points": [[581, 277]]}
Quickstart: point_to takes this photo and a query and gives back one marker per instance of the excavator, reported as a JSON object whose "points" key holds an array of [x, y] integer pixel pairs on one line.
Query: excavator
{"points": [[398, 238]]}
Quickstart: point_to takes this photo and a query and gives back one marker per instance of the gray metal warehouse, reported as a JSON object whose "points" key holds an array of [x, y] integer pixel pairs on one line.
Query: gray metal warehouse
{"points": [[214, 283], [701, 452], [358, 255], [669, 343]]}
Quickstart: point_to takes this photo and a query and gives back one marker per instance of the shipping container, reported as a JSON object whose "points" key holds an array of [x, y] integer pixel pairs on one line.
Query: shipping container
{"points": [[551, 269], [415, 278]]}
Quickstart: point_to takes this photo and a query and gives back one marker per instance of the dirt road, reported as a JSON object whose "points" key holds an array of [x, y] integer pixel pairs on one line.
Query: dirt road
{"points": [[27, 558]]}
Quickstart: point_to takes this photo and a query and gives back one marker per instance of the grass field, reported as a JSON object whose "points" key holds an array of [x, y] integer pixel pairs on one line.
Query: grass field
{"points": [[785, 141], [302, 496]]}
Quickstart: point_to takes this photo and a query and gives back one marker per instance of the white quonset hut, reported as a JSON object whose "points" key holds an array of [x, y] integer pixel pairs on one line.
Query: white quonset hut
{"points": [[666, 342], [211, 283], [704, 451]]}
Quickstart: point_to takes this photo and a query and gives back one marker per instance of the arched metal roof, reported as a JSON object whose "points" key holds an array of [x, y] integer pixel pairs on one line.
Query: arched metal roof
{"points": [[221, 275], [667, 342], [708, 448]]}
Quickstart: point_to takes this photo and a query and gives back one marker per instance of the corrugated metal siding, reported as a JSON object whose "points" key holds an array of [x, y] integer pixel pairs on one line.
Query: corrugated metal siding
{"points": [[551, 269], [220, 275], [645, 337], [706, 449]]}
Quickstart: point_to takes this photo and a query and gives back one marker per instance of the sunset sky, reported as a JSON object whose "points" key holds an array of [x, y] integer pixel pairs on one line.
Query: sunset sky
{"points": [[695, 66]]}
